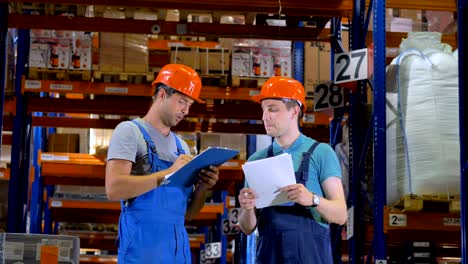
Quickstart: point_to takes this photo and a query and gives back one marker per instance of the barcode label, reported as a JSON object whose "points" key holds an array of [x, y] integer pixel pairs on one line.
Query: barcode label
{"points": [[32, 84], [61, 87], [421, 244], [55, 204], [54, 157], [118, 90], [13, 250]]}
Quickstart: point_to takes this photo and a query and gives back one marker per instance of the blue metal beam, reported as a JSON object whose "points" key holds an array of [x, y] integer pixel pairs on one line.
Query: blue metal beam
{"points": [[37, 190], [298, 52], [249, 242], [380, 173], [463, 112], [19, 180], [356, 132]]}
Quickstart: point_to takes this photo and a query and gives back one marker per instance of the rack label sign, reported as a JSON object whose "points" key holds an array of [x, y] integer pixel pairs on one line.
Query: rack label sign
{"points": [[380, 261], [351, 66], [397, 219], [231, 224], [350, 224], [213, 250], [117, 90], [204, 260], [32, 84], [328, 95], [56, 204], [61, 87], [451, 221]]}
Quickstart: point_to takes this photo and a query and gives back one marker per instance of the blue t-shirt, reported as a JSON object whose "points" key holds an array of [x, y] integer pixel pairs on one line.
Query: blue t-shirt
{"points": [[322, 165]]}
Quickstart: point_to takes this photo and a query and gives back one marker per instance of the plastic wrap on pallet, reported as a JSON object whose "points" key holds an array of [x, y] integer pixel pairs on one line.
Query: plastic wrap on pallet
{"points": [[136, 53], [36, 249], [422, 119]]}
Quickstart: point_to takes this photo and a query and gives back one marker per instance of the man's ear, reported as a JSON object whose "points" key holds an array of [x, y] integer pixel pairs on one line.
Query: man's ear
{"points": [[161, 94]]}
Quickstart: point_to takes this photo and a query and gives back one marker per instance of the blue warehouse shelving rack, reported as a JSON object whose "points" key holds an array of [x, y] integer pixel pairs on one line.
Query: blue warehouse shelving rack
{"points": [[24, 105]]}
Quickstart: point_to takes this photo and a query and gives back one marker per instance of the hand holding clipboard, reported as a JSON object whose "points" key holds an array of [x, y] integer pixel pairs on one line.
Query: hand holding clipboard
{"points": [[187, 175]]}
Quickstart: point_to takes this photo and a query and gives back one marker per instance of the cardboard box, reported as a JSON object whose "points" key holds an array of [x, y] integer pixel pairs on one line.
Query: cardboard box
{"points": [[60, 54], [38, 54], [241, 63], [214, 61], [136, 53], [111, 52], [189, 56], [81, 57], [262, 65], [317, 65], [282, 62], [157, 58], [69, 143]]}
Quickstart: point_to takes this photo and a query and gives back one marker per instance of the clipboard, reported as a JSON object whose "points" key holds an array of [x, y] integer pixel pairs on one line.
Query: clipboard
{"points": [[187, 175]]}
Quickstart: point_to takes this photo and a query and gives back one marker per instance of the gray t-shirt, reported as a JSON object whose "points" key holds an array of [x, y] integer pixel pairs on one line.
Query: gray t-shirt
{"points": [[127, 143]]}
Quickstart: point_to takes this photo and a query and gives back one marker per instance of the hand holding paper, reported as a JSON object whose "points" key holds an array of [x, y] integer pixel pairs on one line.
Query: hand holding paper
{"points": [[267, 176]]}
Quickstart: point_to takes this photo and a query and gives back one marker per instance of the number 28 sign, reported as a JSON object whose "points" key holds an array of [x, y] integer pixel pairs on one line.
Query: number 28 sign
{"points": [[351, 66]]}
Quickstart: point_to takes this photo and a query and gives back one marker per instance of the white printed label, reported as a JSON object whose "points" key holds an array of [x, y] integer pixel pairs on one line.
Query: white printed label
{"points": [[451, 221], [380, 261], [56, 204], [397, 219], [118, 90], [54, 157], [32, 84], [213, 250], [351, 66], [14, 250], [231, 224], [328, 95], [422, 254], [61, 87], [421, 244], [204, 260], [350, 224]]}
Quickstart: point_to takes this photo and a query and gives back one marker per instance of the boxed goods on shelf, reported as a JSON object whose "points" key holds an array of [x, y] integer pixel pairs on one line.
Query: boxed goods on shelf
{"points": [[36, 249]]}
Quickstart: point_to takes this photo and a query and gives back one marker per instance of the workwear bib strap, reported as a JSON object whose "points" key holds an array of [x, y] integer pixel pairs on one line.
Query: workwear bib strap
{"points": [[289, 234], [151, 226]]}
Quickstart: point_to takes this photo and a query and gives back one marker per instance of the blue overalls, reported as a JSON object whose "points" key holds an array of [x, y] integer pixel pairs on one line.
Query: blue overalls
{"points": [[151, 227], [289, 234]]}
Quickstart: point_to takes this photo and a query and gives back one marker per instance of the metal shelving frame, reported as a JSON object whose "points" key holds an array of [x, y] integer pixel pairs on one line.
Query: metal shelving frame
{"points": [[19, 181]]}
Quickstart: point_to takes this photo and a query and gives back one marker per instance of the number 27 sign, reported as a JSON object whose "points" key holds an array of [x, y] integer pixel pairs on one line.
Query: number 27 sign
{"points": [[351, 66]]}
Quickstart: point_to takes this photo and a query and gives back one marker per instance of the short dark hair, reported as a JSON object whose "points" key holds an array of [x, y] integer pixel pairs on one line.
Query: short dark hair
{"points": [[169, 90], [290, 103]]}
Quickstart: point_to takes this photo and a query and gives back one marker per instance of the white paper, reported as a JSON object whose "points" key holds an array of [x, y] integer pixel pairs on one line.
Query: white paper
{"points": [[267, 176]]}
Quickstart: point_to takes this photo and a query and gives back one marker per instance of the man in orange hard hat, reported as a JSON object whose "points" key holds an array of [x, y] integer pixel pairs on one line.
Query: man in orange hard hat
{"points": [[142, 152], [298, 231]]}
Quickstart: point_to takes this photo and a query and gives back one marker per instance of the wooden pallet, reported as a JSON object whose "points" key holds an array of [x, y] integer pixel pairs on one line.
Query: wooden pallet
{"points": [[115, 77], [247, 82], [59, 74], [219, 80], [429, 203]]}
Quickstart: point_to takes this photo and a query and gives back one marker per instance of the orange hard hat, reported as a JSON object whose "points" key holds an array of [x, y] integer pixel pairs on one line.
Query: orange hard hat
{"points": [[282, 87], [181, 78]]}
